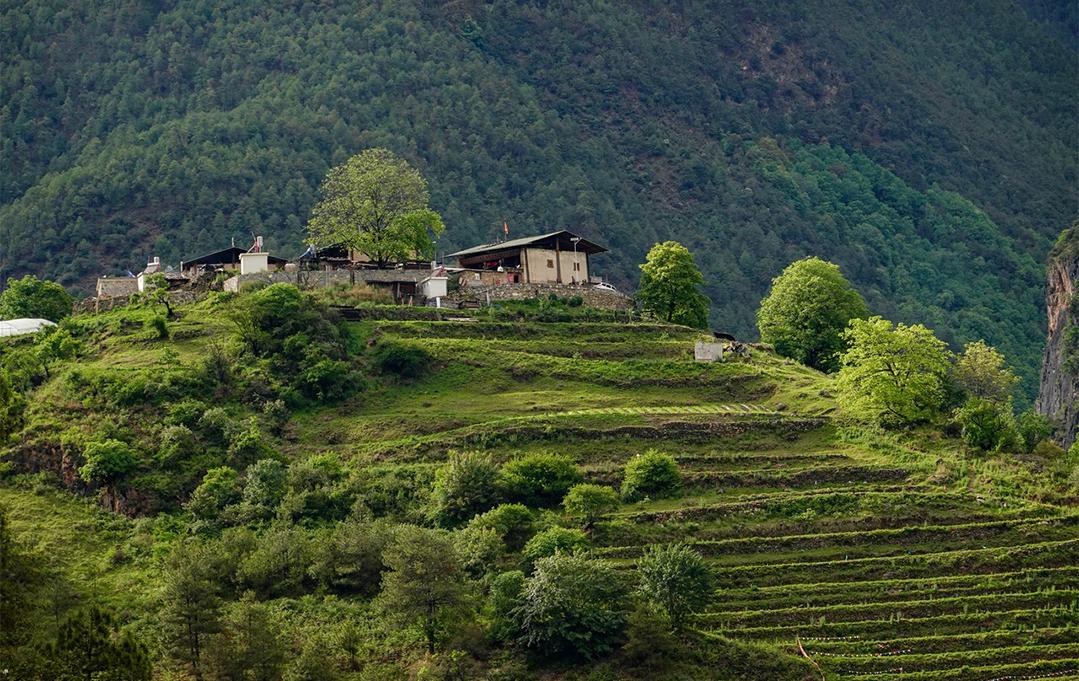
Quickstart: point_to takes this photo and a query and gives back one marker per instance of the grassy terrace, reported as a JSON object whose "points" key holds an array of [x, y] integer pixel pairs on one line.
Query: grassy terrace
{"points": [[887, 557], [888, 560]]}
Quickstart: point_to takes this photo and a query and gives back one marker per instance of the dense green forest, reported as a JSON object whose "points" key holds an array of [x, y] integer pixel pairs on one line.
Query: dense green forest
{"points": [[926, 149]]}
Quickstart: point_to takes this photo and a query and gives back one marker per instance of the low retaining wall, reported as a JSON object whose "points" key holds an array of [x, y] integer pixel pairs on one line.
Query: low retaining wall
{"points": [[590, 295], [106, 304], [305, 280]]}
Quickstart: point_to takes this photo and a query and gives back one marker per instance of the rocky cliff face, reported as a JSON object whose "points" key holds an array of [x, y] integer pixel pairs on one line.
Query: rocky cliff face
{"points": [[1059, 391]]}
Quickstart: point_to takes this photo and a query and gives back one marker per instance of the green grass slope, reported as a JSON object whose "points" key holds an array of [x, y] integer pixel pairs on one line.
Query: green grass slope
{"points": [[881, 556]]}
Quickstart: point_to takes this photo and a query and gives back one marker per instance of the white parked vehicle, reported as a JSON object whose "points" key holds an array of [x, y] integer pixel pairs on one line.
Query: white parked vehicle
{"points": [[604, 286]]}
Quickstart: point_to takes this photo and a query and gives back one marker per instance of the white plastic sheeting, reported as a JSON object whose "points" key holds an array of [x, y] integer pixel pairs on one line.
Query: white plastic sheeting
{"points": [[17, 327]]}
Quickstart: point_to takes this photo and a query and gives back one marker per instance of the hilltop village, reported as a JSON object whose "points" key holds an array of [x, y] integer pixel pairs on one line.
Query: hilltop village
{"points": [[555, 263]]}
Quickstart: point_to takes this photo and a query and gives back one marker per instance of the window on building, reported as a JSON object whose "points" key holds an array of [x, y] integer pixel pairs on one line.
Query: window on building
{"points": [[550, 264], [576, 267]]}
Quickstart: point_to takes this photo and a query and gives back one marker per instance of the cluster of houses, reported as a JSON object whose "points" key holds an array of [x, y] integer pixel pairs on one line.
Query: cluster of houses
{"points": [[556, 262]]}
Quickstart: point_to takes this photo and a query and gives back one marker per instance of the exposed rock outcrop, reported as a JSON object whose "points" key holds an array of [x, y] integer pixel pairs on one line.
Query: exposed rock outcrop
{"points": [[1059, 391]]}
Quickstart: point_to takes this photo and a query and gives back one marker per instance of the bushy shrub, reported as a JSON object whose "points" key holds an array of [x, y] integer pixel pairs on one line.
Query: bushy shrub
{"points": [[316, 490], [276, 416], [278, 565], [513, 522], [348, 558], [393, 491], [247, 447], [505, 598], [539, 479], [677, 580], [266, 483], [479, 549], [185, 412], [403, 359], [551, 541], [466, 485], [572, 605], [107, 461], [588, 503], [651, 474], [1032, 428], [987, 425], [220, 487]]}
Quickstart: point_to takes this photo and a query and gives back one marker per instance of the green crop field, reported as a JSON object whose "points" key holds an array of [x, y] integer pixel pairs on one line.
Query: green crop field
{"points": [[876, 555]]}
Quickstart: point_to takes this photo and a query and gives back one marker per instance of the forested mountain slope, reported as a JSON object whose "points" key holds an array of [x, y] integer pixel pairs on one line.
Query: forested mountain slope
{"points": [[927, 150]]}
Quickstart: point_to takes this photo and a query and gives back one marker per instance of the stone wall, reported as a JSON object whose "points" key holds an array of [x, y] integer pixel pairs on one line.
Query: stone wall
{"points": [[592, 296], [106, 304], [301, 279]]}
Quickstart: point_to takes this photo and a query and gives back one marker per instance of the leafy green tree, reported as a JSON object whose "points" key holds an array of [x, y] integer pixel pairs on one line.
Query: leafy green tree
{"points": [[425, 583], [589, 503], [376, 203], [107, 461], [669, 287], [551, 541], [53, 345], [572, 604], [191, 604], [987, 425], [677, 579], [539, 479], [155, 291], [465, 486], [34, 298], [892, 374], [982, 372], [651, 474], [89, 646], [806, 311]]}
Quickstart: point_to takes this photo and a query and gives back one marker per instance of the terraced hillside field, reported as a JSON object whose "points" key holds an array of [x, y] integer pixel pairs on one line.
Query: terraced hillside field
{"points": [[875, 555], [882, 561]]}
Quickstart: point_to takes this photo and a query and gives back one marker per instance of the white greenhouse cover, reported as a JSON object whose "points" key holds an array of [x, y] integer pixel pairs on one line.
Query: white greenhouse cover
{"points": [[17, 327]]}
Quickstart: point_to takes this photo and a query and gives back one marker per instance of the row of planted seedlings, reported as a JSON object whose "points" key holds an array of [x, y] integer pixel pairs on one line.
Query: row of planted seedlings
{"points": [[897, 590], [868, 543], [1020, 671]]}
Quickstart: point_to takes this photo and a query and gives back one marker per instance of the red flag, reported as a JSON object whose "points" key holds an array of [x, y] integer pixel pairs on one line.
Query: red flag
{"points": [[505, 228]]}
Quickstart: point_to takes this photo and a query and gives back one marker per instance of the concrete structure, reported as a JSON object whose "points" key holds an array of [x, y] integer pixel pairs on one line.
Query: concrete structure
{"points": [[704, 351], [173, 280], [117, 287], [253, 263], [435, 287], [553, 258], [19, 327]]}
